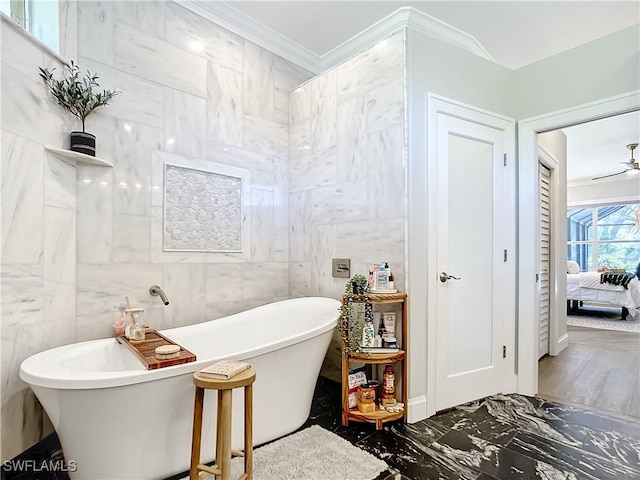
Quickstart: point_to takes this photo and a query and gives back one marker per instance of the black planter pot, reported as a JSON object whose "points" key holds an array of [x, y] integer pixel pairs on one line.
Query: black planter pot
{"points": [[83, 142]]}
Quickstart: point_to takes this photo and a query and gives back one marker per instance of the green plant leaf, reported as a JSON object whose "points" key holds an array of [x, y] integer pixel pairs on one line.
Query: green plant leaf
{"points": [[75, 93]]}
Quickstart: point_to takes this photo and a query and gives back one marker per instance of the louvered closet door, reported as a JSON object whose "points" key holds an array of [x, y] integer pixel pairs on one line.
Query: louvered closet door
{"points": [[544, 177]]}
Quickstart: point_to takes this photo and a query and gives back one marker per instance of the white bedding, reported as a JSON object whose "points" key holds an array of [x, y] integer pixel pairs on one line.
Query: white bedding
{"points": [[584, 287]]}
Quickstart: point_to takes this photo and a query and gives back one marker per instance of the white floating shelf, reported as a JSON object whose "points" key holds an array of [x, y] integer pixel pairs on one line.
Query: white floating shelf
{"points": [[76, 157]]}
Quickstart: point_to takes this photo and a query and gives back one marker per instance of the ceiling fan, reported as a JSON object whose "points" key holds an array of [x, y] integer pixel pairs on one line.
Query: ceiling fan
{"points": [[631, 166]]}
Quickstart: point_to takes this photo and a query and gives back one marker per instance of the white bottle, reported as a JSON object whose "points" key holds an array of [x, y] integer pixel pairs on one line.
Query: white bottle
{"points": [[368, 334]]}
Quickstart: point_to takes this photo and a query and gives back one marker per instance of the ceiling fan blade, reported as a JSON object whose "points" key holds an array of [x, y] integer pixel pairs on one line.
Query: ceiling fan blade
{"points": [[611, 175], [627, 165]]}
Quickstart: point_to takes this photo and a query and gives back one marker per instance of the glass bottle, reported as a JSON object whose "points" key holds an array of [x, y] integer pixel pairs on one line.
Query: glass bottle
{"points": [[388, 387]]}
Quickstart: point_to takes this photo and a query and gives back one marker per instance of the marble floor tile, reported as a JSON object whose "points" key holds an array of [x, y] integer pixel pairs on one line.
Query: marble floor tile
{"points": [[618, 448], [593, 420], [581, 463], [479, 454], [413, 459], [484, 425]]}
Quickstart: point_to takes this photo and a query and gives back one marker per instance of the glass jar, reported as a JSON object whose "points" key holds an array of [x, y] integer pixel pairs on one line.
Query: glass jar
{"points": [[136, 332]]}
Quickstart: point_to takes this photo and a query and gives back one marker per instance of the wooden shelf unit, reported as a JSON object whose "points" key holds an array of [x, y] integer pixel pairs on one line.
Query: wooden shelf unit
{"points": [[379, 417]]}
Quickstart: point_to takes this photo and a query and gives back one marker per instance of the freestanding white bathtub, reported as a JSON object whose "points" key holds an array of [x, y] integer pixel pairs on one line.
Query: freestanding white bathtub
{"points": [[117, 420]]}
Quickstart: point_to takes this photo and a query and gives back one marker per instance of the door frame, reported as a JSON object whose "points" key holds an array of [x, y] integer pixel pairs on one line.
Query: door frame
{"points": [[440, 104], [557, 245], [527, 365]]}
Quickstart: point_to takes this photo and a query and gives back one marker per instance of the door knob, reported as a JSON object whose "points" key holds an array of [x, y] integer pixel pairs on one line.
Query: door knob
{"points": [[444, 276]]}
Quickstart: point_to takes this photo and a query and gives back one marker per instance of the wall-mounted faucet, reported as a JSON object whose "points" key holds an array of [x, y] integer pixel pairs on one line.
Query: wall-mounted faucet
{"points": [[155, 290]]}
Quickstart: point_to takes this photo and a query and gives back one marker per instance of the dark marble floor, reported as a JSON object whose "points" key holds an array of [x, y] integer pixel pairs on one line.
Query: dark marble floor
{"points": [[501, 437]]}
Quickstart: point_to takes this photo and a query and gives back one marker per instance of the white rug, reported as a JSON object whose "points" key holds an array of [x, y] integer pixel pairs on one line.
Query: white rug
{"points": [[310, 454], [605, 322]]}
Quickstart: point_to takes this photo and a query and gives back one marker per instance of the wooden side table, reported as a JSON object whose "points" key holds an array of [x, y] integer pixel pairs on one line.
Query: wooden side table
{"points": [[222, 467]]}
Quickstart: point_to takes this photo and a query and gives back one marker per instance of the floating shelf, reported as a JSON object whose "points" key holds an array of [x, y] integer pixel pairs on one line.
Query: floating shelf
{"points": [[75, 157]]}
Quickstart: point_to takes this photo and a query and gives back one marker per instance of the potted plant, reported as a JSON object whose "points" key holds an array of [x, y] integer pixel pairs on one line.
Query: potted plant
{"points": [[358, 284], [75, 94], [352, 317]]}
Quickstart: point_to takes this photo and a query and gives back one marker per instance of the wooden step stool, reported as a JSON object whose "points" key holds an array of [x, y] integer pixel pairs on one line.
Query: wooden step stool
{"points": [[222, 467]]}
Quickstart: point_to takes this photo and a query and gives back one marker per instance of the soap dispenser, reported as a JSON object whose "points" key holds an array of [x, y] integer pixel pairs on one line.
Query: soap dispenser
{"points": [[136, 331]]}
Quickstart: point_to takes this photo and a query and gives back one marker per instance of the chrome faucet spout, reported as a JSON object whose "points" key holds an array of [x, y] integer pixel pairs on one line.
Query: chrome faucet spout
{"points": [[155, 290]]}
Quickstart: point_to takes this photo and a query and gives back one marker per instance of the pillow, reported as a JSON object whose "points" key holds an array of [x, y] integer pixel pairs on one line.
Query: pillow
{"points": [[573, 267]]}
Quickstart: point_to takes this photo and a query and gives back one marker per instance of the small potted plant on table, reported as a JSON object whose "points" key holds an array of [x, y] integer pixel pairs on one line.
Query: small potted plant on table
{"points": [[76, 95]]}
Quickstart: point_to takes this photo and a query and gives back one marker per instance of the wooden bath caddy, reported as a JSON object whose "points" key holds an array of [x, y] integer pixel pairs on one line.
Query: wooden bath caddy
{"points": [[145, 350]]}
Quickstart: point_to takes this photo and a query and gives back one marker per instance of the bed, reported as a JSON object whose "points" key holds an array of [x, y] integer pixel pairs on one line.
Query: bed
{"points": [[586, 287]]}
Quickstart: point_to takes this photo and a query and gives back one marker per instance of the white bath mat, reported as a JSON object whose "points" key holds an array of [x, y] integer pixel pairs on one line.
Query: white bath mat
{"points": [[311, 454]]}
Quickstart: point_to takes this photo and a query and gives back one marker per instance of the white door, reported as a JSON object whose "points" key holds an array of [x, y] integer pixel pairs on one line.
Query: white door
{"points": [[476, 229], [544, 229]]}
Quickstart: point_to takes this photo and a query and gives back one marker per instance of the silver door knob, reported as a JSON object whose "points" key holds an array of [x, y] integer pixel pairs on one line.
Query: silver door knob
{"points": [[444, 276]]}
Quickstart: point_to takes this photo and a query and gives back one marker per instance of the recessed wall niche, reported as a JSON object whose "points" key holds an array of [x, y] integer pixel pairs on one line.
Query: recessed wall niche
{"points": [[199, 210], [202, 211]]}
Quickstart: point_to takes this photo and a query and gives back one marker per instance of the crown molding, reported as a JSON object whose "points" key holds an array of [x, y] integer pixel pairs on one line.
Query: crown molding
{"points": [[250, 29], [404, 17], [239, 23]]}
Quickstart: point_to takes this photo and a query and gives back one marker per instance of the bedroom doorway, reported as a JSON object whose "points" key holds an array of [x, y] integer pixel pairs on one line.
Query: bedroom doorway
{"points": [[528, 132], [599, 217]]}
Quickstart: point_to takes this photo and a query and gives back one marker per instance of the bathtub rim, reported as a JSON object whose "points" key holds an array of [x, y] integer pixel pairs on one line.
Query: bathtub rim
{"points": [[66, 378]]}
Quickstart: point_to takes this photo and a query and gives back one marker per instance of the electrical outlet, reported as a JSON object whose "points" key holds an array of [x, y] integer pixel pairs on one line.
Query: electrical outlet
{"points": [[341, 267]]}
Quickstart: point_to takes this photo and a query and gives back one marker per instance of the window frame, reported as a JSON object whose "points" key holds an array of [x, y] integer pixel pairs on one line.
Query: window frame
{"points": [[594, 242]]}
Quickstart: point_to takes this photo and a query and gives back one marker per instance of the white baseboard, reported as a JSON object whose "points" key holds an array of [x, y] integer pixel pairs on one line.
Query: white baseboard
{"points": [[563, 342], [416, 409]]}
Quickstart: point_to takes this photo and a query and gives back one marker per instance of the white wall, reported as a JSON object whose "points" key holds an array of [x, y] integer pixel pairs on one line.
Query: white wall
{"points": [[76, 240], [347, 174], [627, 189], [600, 69]]}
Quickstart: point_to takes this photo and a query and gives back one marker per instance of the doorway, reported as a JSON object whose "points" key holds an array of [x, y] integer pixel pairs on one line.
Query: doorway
{"points": [[528, 327]]}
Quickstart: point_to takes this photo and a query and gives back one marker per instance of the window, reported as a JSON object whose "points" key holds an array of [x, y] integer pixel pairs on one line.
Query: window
{"points": [[38, 17], [605, 236]]}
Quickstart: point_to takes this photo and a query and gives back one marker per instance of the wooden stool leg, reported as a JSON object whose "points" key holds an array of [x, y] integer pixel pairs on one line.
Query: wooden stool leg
{"points": [[196, 439], [248, 431], [224, 435], [218, 425]]}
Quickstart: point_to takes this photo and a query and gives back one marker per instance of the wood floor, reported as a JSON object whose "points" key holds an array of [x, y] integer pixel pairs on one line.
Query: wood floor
{"points": [[599, 369]]}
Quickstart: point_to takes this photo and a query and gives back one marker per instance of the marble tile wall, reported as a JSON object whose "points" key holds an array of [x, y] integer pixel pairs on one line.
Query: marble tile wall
{"points": [[77, 239], [37, 270], [347, 172]]}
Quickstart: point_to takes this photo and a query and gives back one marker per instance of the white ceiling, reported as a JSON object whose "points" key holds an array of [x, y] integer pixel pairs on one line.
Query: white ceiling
{"points": [[513, 33], [597, 148]]}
